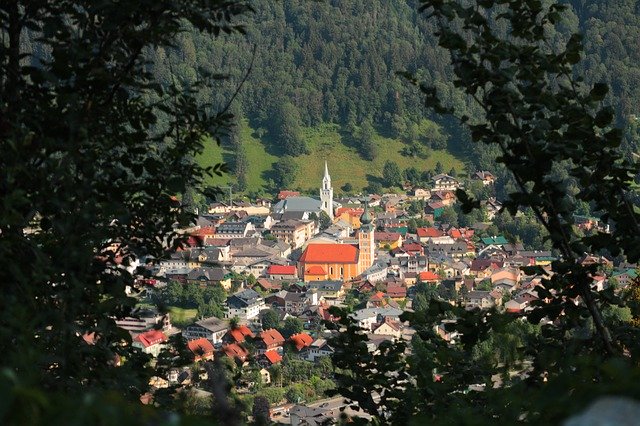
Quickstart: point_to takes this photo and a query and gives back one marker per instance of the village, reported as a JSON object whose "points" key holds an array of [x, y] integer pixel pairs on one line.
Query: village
{"points": [[255, 281]]}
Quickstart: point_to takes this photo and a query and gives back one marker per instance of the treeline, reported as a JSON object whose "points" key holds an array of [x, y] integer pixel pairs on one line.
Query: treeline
{"points": [[336, 61]]}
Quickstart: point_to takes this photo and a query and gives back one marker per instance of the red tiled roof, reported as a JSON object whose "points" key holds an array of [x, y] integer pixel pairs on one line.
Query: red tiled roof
{"points": [[301, 340], [330, 253], [285, 194], [235, 350], [268, 285], [200, 347], [428, 232], [377, 296], [356, 212], [455, 233], [428, 276], [238, 334], [273, 357], [387, 236], [396, 291], [281, 270], [271, 337], [315, 270], [412, 247], [151, 337]]}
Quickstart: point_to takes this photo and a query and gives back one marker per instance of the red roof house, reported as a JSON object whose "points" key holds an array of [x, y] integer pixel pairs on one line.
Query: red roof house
{"points": [[301, 341], [202, 349], [269, 340], [238, 334]]}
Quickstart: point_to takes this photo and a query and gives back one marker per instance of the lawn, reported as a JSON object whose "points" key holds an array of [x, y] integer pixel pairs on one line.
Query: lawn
{"points": [[182, 316], [325, 143]]}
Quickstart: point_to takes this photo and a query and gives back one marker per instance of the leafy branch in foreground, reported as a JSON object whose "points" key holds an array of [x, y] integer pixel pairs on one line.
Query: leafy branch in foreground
{"points": [[541, 116], [541, 366]]}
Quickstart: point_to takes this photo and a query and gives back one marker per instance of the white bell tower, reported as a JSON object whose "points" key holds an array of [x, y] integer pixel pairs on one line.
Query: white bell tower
{"points": [[326, 193]]}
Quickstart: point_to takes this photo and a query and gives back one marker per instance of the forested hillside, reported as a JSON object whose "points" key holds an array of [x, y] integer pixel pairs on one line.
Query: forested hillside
{"points": [[336, 62]]}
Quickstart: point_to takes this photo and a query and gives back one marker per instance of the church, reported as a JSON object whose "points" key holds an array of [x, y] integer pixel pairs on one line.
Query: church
{"points": [[301, 207], [338, 261]]}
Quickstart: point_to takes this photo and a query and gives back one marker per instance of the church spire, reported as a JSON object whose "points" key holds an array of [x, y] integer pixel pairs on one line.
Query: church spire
{"points": [[326, 192]]}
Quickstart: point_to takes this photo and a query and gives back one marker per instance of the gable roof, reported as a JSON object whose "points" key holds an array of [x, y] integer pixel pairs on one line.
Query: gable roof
{"points": [[428, 232], [330, 253], [498, 240], [301, 340], [315, 270], [273, 357], [200, 347], [281, 270], [151, 337], [235, 351], [272, 337], [238, 334], [428, 276]]}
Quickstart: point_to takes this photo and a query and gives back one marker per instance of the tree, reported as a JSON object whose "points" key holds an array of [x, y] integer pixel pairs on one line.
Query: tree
{"points": [[439, 168], [270, 319], [292, 326], [241, 168], [391, 174], [95, 154], [285, 170], [412, 175], [287, 130], [374, 188], [260, 410], [364, 141], [324, 220], [449, 215], [347, 187], [537, 116]]}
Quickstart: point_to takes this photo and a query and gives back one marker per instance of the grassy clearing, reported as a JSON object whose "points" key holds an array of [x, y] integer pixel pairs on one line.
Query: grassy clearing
{"points": [[182, 316], [325, 143]]}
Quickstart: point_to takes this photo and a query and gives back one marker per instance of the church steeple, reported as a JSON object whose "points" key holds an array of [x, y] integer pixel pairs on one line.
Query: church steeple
{"points": [[326, 192], [366, 240]]}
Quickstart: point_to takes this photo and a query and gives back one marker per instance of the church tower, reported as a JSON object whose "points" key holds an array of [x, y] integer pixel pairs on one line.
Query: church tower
{"points": [[326, 193], [366, 241]]}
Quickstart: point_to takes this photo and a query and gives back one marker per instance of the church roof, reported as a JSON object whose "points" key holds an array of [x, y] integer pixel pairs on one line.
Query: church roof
{"points": [[299, 204], [330, 253]]}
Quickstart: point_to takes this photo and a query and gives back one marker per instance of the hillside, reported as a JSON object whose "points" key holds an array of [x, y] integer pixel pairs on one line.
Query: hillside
{"points": [[325, 142]]}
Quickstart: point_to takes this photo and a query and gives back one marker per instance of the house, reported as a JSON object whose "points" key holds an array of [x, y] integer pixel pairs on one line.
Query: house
{"points": [[301, 341], [349, 215], [328, 289], [269, 358], [210, 276], [485, 177], [444, 182], [144, 320], [212, 329], [201, 348], [388, 240], [388, 327], [424, 234], [295, 303], [150, 342], [294, 232], [245, 305], [269, 340], [282, 272], [319, 348], [267, 285], [377, 272], [499, 241], [428, 277], [479, 299], [238, 334], [396, 292], [234, 230], [446, 198], [236, 351]]}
